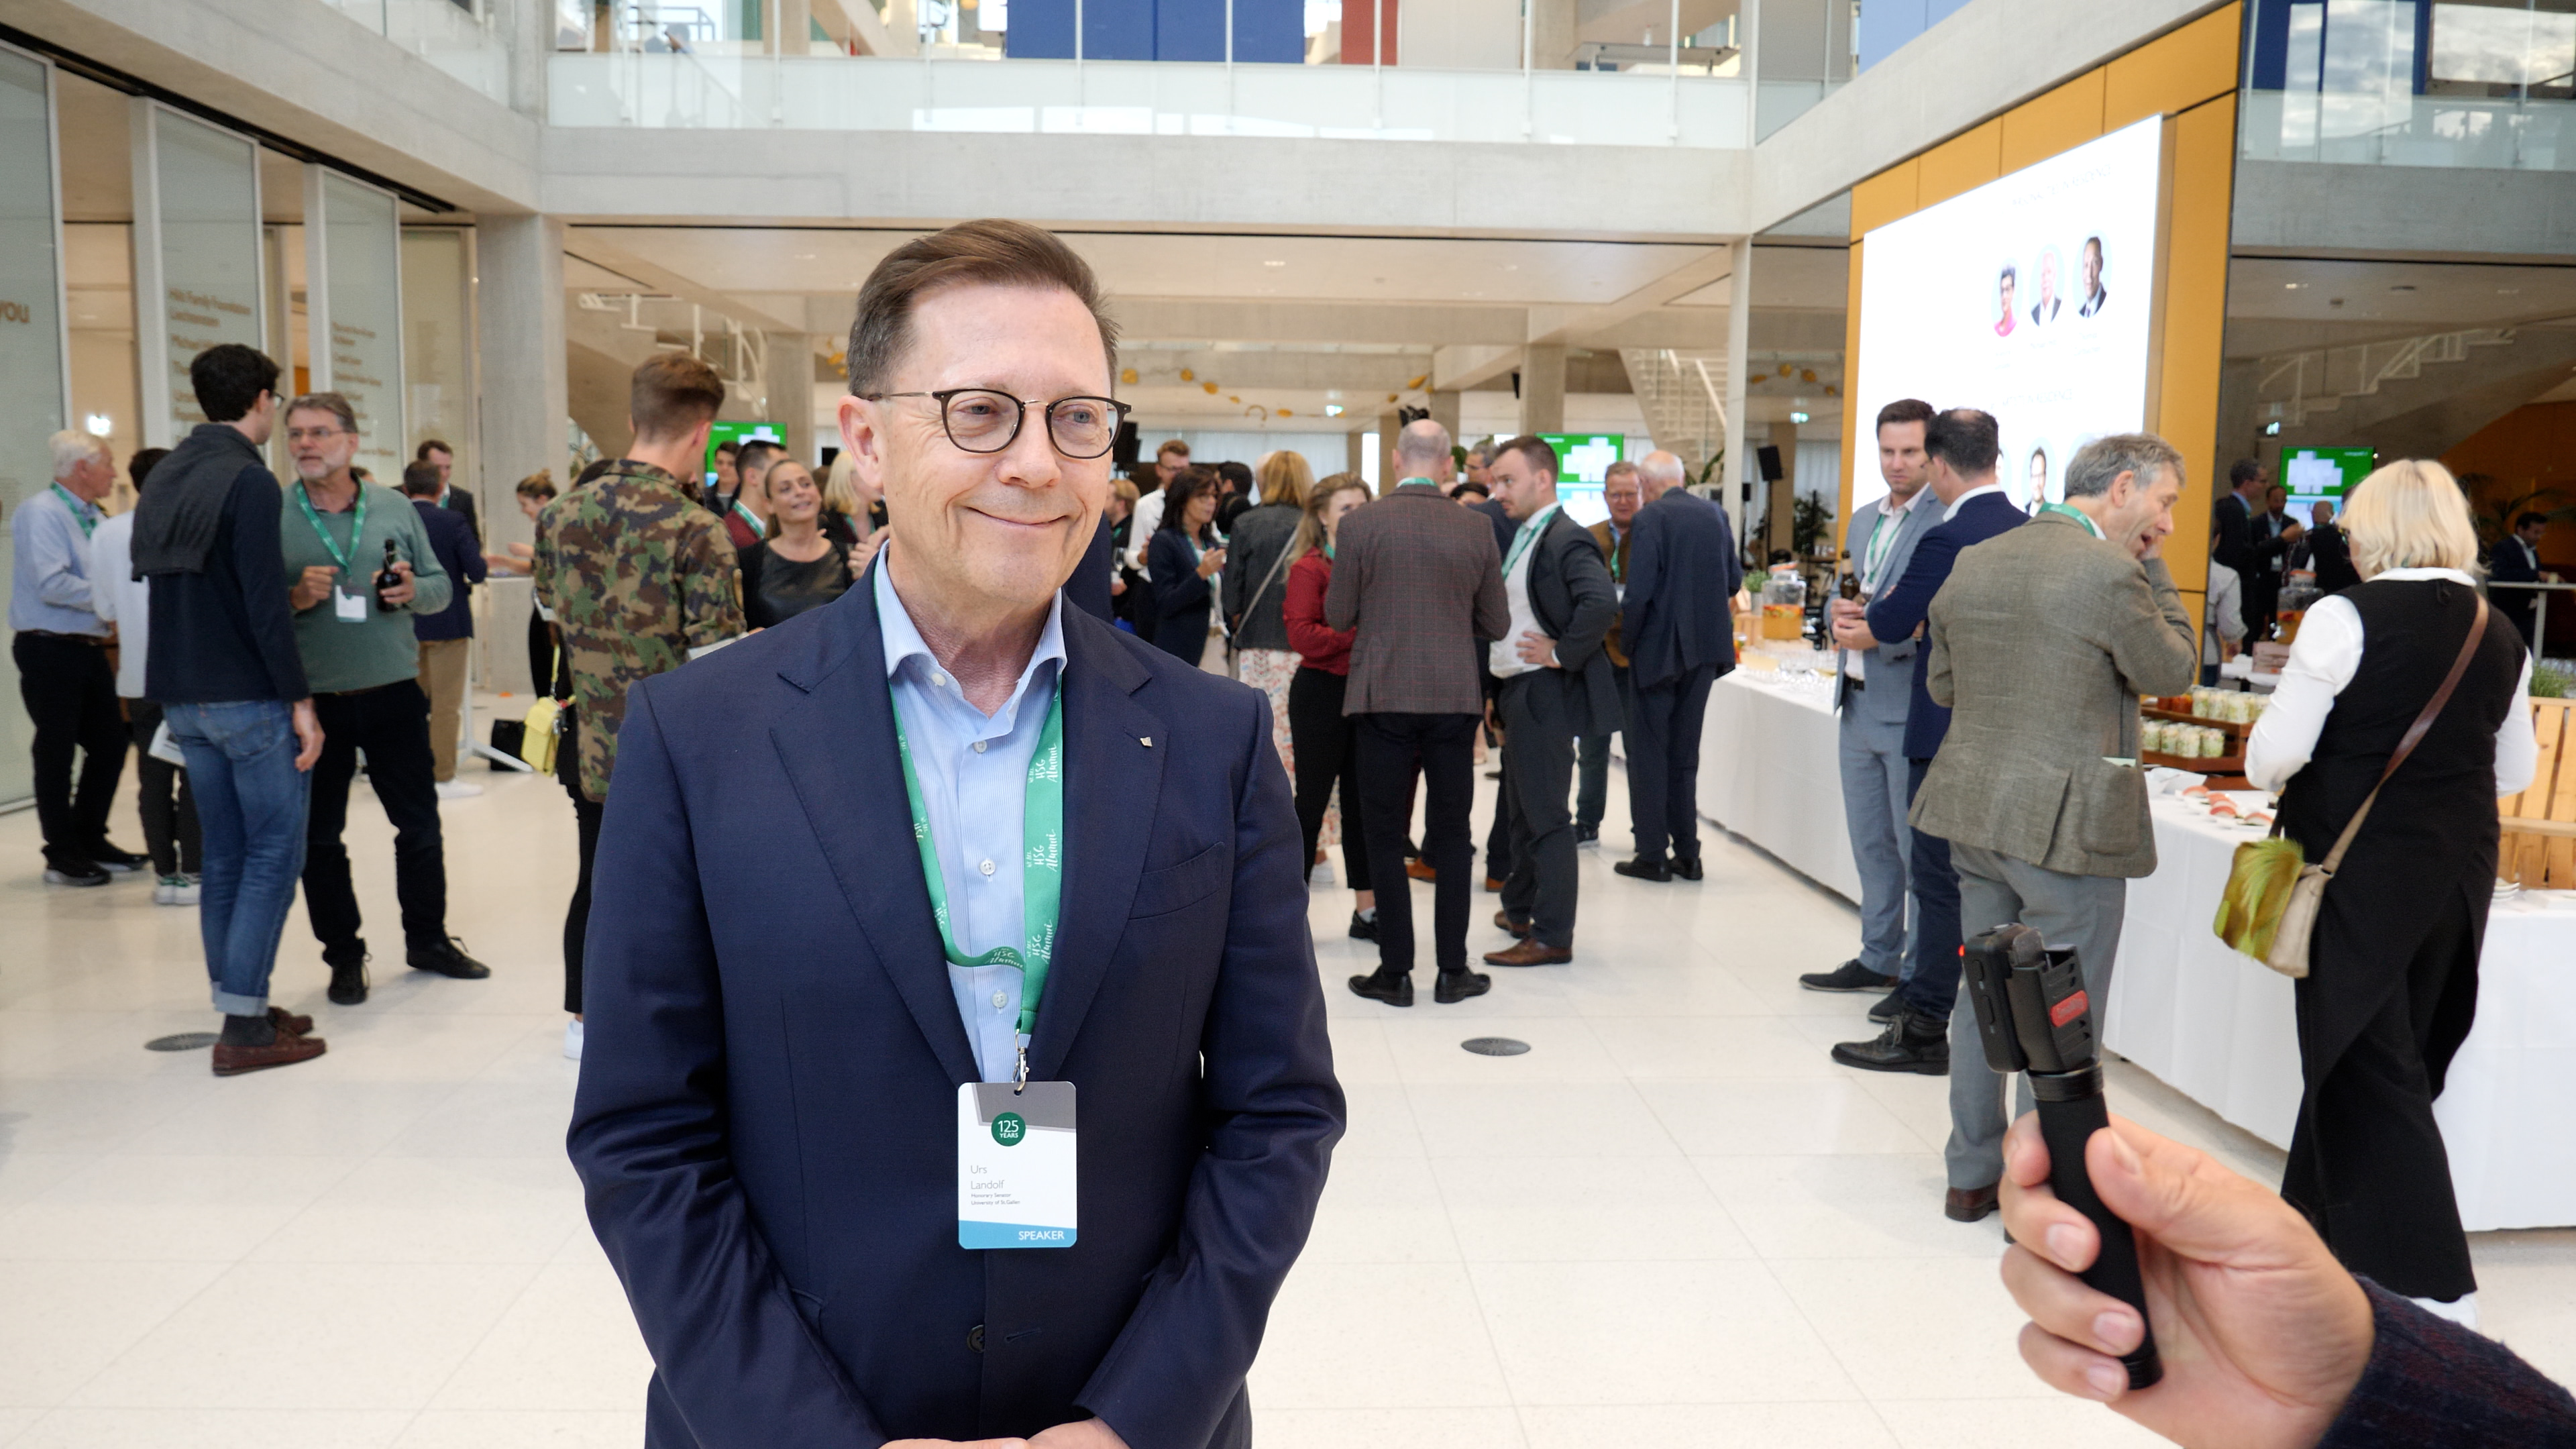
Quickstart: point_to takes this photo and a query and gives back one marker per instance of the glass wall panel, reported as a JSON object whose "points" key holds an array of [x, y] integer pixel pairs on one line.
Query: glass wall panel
{"points": [[360, 291], [197, 257], [31, 347], [438, 351]]}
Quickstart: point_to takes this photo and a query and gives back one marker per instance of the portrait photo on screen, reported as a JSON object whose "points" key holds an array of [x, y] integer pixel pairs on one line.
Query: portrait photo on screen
{"points": [[2000, 298]]}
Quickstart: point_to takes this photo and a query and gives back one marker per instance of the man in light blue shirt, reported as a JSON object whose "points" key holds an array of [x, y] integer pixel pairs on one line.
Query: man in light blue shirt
{"points": [[973, 770], [60, 648]]}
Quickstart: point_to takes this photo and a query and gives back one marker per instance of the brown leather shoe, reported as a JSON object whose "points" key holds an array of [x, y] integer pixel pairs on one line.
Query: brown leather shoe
{"points": [[1503, 922], [1530, 953], [289, 1022], [1420, 871], [286, 1051], [1970, 1204]]}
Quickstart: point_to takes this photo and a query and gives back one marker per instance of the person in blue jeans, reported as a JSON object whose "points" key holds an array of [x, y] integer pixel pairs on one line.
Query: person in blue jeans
{"points": [[222, 662]]}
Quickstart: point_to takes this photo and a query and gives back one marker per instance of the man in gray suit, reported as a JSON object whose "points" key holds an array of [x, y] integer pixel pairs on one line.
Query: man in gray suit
{"points": [[2041, 643], [1873, 687]]}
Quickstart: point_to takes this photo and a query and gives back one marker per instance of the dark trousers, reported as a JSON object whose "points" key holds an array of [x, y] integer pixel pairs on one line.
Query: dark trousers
{"points": [[1538, 764], [391, 724], [1326, 742], [587, 813], [163, 799], [1592, 765], [541, 656], [1664, 723], [2367, 1164], [1442, 747], [1932, 965], [70, 695]]}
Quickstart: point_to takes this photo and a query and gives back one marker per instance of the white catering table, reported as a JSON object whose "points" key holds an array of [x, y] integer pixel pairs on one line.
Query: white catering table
{"points": [[2220, 1028], [2214, 1025]]}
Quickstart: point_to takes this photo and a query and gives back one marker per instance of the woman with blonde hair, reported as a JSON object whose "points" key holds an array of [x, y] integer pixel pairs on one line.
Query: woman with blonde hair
{"points": [[1325, 747], [1256, 584], [2392, 982]]}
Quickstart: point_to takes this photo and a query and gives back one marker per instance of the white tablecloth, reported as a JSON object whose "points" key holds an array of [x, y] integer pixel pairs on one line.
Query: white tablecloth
{"points": [[2221, 1029], [1768, 771]]}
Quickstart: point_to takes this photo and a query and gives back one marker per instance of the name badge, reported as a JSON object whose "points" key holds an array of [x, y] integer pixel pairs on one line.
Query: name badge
{"points": [[347, 607], [1015, 1165]]}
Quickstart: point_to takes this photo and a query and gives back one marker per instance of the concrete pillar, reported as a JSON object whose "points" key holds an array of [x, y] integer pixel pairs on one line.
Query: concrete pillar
{"points": [[1445, 410], [788, 375], [1552, 42], [1389, 424], [1543, 388], [529, 33], [1783, 492], [795, 27], [1355, 452], [519, 294], [1739, 319]]}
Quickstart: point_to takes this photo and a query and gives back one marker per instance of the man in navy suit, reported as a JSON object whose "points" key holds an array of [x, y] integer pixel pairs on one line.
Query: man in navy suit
{"points": [[1960, 448], [1676, 619], [975, 844]]}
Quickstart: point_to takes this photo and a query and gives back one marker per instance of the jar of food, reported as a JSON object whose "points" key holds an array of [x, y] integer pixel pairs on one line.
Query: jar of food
{"points": [[2298, 591], [1784, 604]]}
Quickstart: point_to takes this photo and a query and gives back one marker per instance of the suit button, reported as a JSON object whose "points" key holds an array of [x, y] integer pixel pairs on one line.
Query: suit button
{"points": [[975, 1338]]}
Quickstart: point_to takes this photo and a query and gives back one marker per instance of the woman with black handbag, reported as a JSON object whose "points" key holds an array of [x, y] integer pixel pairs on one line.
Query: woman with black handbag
{"points": [[2405, 702]]}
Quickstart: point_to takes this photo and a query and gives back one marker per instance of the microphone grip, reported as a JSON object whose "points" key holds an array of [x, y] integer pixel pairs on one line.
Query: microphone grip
{"points": [[2068, 1118]]}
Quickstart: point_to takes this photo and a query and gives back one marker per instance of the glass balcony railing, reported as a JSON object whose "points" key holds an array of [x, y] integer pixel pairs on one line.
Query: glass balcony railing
{"points": [[1166, 98], [2479, 84], [457, 36]]}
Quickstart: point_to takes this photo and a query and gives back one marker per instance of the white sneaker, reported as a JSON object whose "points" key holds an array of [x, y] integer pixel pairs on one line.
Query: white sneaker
{"points": [[457, 790], [175, 890], [2462, 1310], [572, 1040]]}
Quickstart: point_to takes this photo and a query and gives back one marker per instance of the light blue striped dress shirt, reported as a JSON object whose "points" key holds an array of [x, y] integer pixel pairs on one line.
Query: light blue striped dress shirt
{"points": [[974, 773]]}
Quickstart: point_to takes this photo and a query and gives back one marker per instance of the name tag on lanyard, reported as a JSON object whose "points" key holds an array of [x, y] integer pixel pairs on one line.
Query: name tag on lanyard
{"points": [[347, 607], [1015, 1165]]}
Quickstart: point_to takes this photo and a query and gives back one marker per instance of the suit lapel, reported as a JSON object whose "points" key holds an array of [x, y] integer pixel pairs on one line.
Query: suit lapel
{"points": [[1113, 784], [839, 752]]}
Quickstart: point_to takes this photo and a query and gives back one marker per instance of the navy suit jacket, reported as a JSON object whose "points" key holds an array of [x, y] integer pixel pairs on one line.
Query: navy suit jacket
{"points": [[766, 1122], [1682, 571], [1897, 612]]}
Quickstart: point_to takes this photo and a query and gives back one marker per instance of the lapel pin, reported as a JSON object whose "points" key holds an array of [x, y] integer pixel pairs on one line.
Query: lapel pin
{"points": [[1146, 740]]}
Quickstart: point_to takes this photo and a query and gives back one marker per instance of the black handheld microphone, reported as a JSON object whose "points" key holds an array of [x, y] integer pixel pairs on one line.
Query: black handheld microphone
{"points": [[2034, 1018]]}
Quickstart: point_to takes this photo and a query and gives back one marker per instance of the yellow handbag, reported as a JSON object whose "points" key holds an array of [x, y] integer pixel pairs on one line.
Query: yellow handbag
{"points": [[538, 749]]}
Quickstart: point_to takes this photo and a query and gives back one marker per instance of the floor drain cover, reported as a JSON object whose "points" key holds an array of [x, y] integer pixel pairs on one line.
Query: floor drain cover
{"points": [[186, 1041], [1494, 1046]]}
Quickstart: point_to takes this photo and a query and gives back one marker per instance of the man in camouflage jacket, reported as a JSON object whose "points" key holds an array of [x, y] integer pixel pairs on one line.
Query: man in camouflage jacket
{"points": [[637, 576]]}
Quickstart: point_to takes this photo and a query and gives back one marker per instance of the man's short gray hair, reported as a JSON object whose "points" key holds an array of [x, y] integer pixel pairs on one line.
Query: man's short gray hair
{"points": [[2104, 459], [1422, 441], [72, 447], [336, 404], [1662, 469]]}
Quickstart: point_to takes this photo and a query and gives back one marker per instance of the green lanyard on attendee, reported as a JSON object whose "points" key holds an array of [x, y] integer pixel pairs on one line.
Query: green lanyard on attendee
{"points": [[80, 515], [1882, 542], [357, 526], [751, 518], [2078, 514], [1042, 867], [1529, 531]]}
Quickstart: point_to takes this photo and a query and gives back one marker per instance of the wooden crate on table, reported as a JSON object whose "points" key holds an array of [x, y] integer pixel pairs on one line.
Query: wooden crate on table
{"points": [[2539, 845]]}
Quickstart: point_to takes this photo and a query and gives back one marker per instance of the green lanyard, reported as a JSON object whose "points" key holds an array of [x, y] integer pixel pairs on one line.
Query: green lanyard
{"points": [[2077, 514], [1618, 555], [357, 526], [1042, 860], [80, 515], [1529, 532], [750, 518], [1882, 541]]}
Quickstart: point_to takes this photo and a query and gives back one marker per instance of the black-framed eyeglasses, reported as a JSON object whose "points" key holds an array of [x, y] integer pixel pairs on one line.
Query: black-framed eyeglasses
{"points": [[980, 420]]}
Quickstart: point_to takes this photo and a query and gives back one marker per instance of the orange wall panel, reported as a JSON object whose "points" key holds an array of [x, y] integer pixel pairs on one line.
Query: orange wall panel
{"points": [[1881, 199], [1851, 390], [2202, 150], [1961, 164], [2174, 72], [2061, 120], [2534, 446]]}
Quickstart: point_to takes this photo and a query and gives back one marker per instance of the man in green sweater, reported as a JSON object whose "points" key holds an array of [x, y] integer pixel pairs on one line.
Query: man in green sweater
{"points": [[362, 567]]}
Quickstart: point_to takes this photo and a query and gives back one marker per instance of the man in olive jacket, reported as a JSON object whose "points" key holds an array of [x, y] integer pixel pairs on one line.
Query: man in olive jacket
{"points": [[2040, 644]]}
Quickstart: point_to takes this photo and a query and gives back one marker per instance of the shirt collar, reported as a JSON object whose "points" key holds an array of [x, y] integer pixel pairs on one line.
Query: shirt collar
{"points": [[2456, 576], [903, 642], [1889, 506], [79, 506], [1996, 487]]}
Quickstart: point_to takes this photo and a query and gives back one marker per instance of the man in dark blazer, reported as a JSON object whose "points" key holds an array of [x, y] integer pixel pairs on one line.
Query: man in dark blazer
{"points": [[792, 1053], [1960, 448], [437, 454], [1420, 579], [1683, 572], [1556, 686], [2516, 560], [2247, 545]]}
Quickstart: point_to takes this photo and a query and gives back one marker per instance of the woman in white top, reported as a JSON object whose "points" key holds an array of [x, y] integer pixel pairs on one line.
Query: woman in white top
{"points": [[2393, 966]]}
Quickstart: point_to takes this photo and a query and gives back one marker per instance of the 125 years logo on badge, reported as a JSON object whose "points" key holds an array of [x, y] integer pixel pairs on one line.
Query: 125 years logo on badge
{"points": [[1009, 1128]]}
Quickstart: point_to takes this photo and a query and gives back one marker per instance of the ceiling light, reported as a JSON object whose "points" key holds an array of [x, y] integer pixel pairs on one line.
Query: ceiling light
{"points": [[1332, 410], [99, 425], [2293, 286], [1797, 417], [804, 256], [1274, 264], [2272, 430]]}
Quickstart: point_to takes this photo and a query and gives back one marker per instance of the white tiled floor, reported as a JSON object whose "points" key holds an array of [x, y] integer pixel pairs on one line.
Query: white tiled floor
{"points": [[1673, 1221]]}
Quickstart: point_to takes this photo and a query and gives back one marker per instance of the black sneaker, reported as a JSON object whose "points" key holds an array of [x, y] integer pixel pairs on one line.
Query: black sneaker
{"points": [[122, 862], [348, 978], [1384, 985], [1587, 835], [1849, 976], [447, 958], [74, 873], [1363, 928], [1884, 1009], [1912, 1043], [1456, 986]]}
